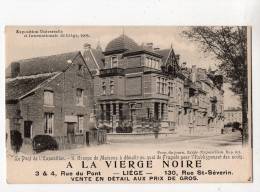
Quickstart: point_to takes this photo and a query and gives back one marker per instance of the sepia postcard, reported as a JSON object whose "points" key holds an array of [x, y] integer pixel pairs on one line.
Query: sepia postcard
{"points": [[135, 104]]}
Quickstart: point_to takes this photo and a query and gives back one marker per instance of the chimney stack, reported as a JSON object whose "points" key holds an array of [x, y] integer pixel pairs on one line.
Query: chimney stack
{"points": [[149, 45], [87, 46], [184, 64]]}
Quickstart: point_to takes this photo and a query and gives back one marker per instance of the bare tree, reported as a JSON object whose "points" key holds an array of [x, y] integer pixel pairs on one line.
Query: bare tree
{"points": [[229, 46]]}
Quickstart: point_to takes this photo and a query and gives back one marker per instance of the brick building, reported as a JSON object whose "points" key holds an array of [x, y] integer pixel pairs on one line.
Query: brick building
{"points": [[52, 95], [233, 114], [139, 83]]}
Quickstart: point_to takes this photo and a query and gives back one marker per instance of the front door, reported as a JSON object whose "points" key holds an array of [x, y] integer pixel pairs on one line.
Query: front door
{"points": [[27, 129], [70, 133]]}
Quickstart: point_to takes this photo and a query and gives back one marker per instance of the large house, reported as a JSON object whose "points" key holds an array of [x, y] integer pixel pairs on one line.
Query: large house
{"points": [[142, 83], [233, 114], [51, 95]]}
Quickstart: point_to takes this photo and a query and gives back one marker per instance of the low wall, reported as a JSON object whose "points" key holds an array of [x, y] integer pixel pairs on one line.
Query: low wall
{"points": [[131, 137]]}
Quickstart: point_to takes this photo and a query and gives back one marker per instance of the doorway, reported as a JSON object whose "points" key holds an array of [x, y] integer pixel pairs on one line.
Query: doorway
{"points": [[87, 138], [28, 129], [70, 133]]}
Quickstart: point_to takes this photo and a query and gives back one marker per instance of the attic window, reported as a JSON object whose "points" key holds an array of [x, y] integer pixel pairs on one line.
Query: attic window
{"points": [[114, 61], [80, 70]]}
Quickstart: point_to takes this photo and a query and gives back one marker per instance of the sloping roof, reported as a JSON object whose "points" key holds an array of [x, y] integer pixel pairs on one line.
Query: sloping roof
{"points": [[120, 43], [165, 53], [143, 48], [99, 58], [94, 59], [46, 64], [20, 86]]}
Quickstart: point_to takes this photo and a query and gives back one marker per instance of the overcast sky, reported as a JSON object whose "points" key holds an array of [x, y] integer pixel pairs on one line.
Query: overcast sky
{"points": [[19, 47]]}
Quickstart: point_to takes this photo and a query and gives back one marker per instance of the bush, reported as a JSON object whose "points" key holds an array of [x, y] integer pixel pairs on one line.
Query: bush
{"points": [[16, 141], [44, 142], [124, 129], [228, 125], [119, 129]]}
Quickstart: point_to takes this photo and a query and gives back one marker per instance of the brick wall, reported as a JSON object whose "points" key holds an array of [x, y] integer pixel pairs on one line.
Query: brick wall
{"points": [[64, 89]]}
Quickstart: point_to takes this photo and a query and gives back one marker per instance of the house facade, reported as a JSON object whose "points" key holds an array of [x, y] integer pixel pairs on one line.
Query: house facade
{"points": [[233, 114], [143, 83], [53, 96]]}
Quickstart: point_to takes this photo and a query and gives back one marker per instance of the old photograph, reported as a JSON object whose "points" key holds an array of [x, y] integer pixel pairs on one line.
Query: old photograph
{"points": [[128, 104]]}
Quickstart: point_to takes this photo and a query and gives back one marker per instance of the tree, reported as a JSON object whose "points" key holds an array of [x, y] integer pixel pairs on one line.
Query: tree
{"points": [[229, 46]]}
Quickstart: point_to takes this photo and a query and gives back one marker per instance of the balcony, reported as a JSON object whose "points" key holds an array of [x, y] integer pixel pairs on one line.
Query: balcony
{"points": [[111, 72]]}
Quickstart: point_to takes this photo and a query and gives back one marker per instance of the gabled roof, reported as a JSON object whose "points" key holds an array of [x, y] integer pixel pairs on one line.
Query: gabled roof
{"points": [[16, 88], [46, 64], [165, 53], [35, 72]]}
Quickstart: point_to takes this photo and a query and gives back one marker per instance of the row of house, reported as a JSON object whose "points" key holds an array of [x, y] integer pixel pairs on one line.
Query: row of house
{"points": [[233, 114], [141, 83], [69, 95]]}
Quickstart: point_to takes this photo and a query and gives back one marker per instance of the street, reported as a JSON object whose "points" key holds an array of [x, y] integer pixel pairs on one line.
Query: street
{"points": [[224, 141]]}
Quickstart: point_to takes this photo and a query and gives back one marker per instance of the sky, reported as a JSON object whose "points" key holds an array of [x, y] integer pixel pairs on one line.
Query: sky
{"points": [[20, 47]]}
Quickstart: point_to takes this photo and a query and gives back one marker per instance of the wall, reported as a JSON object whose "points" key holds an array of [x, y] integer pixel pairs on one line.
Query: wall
{"points": [[64, 101]]}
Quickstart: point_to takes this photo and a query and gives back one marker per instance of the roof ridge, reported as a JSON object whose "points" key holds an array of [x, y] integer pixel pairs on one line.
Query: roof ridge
{"points": [[9, 79], [28, 59]]}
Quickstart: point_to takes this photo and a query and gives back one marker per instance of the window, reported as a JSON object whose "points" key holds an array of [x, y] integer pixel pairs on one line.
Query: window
{"points": [[147, 62], [158, 64], [158, 85], [114, 62], [170, 89], [80, 70], [79, 129], [48, 98], [162, 85], [79, 95], [49, 122], [103, 88], [165, 88], [111, 87], [150, 63]]}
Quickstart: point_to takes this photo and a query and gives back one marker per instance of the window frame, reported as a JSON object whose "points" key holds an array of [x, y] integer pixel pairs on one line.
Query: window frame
{"points": [[80, 125], [112, 61], [48, 98], [80, 100], [103, 88], [48, 130], [111, 84], [80, 69]]}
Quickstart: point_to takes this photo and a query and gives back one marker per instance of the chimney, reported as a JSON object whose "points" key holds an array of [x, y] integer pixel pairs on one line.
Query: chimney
{"points": [[149, 45], [177, 56], [194, 73], [87, 46], [15, 69], [184, 64], [156, 49]]}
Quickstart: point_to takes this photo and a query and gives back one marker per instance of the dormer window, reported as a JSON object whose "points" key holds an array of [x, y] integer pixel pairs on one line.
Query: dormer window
{"points": [[114, 62]]}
